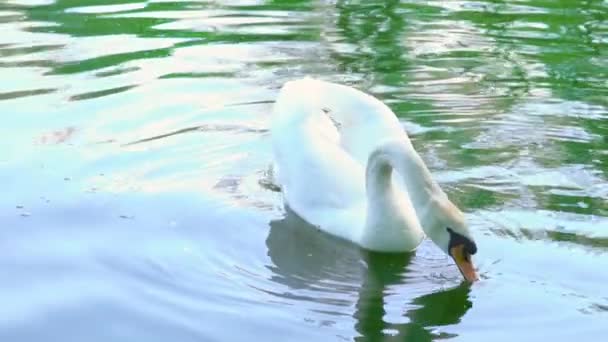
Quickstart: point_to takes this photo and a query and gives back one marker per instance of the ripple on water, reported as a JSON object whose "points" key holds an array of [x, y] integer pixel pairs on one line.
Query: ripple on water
{"points": [[139, 136]]}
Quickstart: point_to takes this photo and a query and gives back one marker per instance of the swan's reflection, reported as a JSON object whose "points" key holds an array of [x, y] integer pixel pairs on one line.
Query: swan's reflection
{"points": [[320, 269]]}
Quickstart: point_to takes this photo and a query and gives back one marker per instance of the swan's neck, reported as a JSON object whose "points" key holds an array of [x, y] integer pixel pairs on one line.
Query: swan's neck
{"points": [[392, 223], [396, 213], [423, 191]]}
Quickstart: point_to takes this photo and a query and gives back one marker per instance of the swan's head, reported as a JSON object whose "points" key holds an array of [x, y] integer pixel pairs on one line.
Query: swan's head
{"points": [[452, 235]]}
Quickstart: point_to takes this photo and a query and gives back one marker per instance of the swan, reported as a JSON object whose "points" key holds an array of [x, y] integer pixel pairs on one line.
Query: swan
{"points": [[345, 165]]}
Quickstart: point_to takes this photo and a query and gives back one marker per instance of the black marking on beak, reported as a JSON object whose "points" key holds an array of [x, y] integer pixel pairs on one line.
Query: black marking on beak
{"points": [[458, 239]]}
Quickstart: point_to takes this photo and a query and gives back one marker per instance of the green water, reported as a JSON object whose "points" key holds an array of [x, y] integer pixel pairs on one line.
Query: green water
{"points": [[134, 145]]}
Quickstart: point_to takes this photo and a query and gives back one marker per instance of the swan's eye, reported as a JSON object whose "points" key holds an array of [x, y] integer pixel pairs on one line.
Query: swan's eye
{"points": [[458, 239]]}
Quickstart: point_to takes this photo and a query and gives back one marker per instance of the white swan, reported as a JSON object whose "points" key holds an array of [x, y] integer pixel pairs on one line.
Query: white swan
{"points": [[335, 151]]}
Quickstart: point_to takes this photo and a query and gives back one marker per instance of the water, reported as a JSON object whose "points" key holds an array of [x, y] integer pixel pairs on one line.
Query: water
{"points": [[135, 136]]}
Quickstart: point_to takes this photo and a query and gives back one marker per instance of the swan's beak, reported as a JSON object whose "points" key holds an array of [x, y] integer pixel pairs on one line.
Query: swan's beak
{"points": [[464, 262]]}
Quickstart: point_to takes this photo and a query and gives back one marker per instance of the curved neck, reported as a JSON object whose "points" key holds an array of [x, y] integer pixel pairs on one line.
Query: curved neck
{"points": [[420, 188]]}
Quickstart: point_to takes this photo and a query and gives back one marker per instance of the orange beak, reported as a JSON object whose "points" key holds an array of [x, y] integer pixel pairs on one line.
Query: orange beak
{"points": [[464, 263]]}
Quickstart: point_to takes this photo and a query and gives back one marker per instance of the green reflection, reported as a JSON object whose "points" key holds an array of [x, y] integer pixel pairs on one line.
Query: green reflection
{"points": [[433, 310], [305, 259]]}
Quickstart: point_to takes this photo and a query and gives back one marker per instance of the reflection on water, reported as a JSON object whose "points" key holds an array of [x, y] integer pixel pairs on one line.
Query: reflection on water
{"points": [[424, 321], [135, 145], [335, 275]]}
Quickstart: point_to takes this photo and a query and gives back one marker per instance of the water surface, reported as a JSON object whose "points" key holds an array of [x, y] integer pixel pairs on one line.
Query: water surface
{"points": [[135, 139]]}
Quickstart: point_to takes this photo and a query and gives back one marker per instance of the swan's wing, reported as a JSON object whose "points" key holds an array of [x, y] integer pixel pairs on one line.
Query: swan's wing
{"points": [[310, 164], [318, 177], [363, 121]]}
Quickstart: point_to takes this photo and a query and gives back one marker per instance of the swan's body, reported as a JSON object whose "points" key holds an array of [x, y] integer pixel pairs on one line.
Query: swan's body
{"points": [[335, 152]]}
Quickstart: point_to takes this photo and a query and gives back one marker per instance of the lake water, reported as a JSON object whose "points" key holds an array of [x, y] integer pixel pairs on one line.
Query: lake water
{"points": [[134, 145]]}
